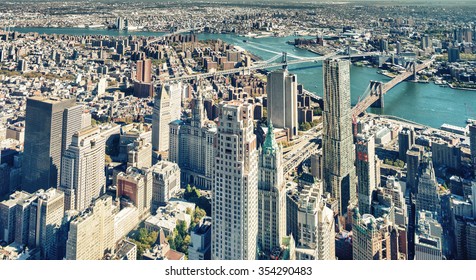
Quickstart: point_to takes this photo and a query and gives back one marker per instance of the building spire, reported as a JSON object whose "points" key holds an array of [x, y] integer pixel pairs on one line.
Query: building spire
{"points": [[270, 143]]}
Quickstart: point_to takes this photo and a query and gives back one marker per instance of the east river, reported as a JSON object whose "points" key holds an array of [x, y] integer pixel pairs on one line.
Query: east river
{"points": [[428, 104]]}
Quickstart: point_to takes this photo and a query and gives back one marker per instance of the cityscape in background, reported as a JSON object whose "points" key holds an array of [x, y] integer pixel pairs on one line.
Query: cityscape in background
{"points": [[237, 131]]}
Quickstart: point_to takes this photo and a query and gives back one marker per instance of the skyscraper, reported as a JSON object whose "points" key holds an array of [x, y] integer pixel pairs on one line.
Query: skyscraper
{"points": [[271, 194], [72, 123], [143, 86], [136, 185], [46, 216], [235, 190], [413, 162], [472, 142], [337, 138], [165, 183], [160, 121], [8, 216], [453, 54], [427, 197], [372, 238], [311, 222], [428, 237], [192, 146], [91, 234], [365, 148], [144, 71], [406, 139], [175, 94], [282, 100], [83, 177], [47, 128]]}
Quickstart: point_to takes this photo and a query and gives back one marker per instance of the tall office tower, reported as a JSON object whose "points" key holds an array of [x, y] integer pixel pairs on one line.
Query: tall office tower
{"points": [[8, 213], [282, 100], [120, 25], [365, 148], [144, 71], [44, 132], [314, 226], [337, 138], [399, 47], [165, 183], [46, 216], [72, 123], [453, 54], [406, 139], [393, 189], [22, 220], [136, 185], [160, 121], [139, 154], [373, 239], [316, 165], [413, 162], [463, 214], [271, 194], [383, 45], [83, 177], [428, 237], [192, 147], [175, 94], [91, 234], [425, 42], [427, 197], [472, 142], [235, 190]]}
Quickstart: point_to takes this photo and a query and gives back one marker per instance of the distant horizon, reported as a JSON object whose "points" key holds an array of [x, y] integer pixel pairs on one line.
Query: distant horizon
{"points": [[401, 2]]}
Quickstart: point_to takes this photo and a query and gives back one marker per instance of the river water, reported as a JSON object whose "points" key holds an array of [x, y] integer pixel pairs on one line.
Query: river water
{"points": [[428, 104]]}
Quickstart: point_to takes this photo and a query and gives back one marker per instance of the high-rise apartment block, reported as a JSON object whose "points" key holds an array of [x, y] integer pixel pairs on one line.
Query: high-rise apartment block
{"points": [[316, 165], [271, 194], [282, 100], [144, 71], [83, 177], [235, 190], [337, 138]]}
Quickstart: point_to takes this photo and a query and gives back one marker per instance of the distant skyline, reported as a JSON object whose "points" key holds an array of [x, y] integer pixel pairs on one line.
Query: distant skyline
{"points": [[406, 2]]}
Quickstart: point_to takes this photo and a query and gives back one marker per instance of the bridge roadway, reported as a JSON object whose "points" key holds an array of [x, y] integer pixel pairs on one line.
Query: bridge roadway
{"points": [[158, 38], [266, 64], [372, 98], [302, 151]]}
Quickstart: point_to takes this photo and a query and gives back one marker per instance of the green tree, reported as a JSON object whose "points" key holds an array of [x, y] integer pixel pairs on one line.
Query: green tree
{"points": [[317, 111], [199, 213]]}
